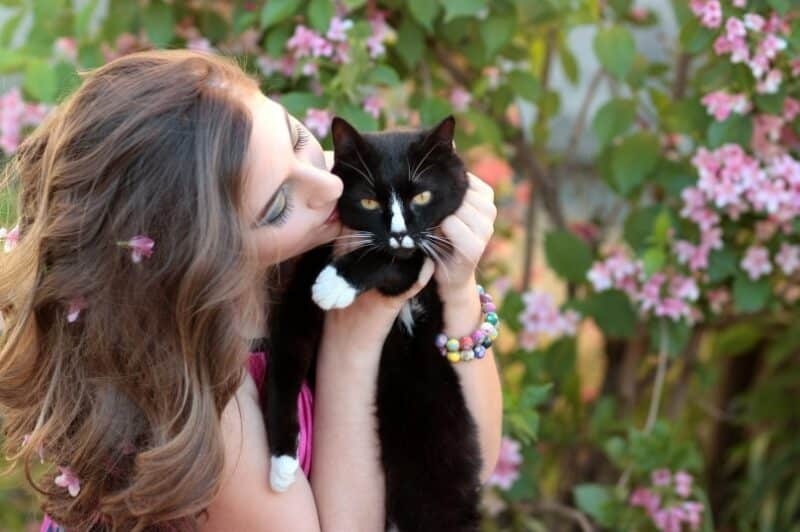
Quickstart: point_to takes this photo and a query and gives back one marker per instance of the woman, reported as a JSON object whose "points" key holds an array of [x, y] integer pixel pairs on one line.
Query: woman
{"points": [[155, 203]]}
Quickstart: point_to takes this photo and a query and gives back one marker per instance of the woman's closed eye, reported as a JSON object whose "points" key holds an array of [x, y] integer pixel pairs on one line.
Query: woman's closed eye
{"points": [[301, 138], [279, 209]]}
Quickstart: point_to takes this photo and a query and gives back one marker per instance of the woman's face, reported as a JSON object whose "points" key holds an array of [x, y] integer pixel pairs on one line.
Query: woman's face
{"points": [[290, 194]]}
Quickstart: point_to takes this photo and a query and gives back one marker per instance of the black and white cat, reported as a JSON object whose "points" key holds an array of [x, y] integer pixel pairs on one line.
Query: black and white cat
{"points": [[398, 187]]}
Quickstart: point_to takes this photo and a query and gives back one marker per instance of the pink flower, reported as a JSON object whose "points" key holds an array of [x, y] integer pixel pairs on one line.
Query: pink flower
{"points": [[683, 483], [661, 477], [693, 514], [507, 469], [66, 47], [756, 262], [646, 499], [337, 31], [68, 479], [460, 99], [771, 83], [201, 44], [718, 299], [754, 22], [373, 105], [720, 104], [739, 3], [795, 64], [684, 288], [791, 109], [10, 238], [318, 121], [75, 307], [708, 11], [771, 45], [600, 277], [541, 316], [639, 14], [307, 42], [788, 258], [735, 28], [381, 32], [141, 246]]}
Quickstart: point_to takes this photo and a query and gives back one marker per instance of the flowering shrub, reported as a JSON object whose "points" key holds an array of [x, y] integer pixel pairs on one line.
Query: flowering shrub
{"points": [[647, 351]]}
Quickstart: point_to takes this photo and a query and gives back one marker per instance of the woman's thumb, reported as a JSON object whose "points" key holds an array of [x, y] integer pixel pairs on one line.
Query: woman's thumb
{"points": [[425, 274]]}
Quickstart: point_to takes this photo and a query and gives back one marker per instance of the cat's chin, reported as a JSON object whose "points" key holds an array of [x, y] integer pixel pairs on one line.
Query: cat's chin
{"points": [[402, 253]]}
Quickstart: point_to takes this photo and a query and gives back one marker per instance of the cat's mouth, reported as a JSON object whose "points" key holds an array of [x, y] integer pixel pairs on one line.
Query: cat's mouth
{"points": [[401, 245]]}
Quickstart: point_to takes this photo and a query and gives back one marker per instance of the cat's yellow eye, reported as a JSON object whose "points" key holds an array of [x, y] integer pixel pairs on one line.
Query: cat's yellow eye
{"points": [[423, 198], [369, 204]]}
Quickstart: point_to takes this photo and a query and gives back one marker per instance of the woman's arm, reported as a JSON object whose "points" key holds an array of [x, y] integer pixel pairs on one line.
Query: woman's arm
{"points": [[347, 476], [245, 500], [469, 230]]}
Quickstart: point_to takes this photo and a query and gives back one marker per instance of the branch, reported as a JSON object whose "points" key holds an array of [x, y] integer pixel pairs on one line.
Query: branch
{"points": [[681, 76], [661, 373], [557, 508], [580, 122]]}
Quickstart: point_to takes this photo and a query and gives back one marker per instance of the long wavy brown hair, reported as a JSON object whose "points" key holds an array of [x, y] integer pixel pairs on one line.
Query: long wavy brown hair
{"points": [[129, 394]]}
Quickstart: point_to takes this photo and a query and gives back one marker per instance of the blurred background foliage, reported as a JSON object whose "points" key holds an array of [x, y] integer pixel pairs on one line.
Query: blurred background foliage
{"points": [[646, 252]]}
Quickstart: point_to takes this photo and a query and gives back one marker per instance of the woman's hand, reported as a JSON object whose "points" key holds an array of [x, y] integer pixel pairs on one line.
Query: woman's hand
{"points": [[469, 230]]}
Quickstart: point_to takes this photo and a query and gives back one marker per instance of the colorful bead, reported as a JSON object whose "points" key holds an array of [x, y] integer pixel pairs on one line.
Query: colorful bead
{"points": [[481, 291], [479, 351], [494, 334], [452, 344], [477, 337], [487, 343], [488, 307], [492, 318], [466, 343], [485, 298], [441, 340], [467, 354], [486, 328], [454, 356]]}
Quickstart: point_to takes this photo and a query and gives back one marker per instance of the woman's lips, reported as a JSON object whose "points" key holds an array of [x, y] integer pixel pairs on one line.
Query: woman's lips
{"points": [[334, 217]]}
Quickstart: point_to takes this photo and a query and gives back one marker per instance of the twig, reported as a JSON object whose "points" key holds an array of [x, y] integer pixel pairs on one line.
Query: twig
{"points": [[661, 373], [563, 510], [580, 122], [681, 76]]}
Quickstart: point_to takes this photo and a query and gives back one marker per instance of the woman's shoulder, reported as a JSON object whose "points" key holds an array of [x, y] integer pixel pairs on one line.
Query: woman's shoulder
{"points": [[245, 500]]}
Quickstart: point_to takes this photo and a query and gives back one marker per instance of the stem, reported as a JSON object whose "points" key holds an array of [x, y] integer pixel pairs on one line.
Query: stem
{"points": [[580, 123], [661, 373]]}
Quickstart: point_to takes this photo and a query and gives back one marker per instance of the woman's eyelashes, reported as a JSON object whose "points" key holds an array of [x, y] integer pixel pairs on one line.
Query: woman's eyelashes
{"points": [[279, 210], [302, 137]]}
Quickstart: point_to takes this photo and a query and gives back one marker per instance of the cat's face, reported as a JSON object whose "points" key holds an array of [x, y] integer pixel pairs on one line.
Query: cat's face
{"points": [[398, 186]]}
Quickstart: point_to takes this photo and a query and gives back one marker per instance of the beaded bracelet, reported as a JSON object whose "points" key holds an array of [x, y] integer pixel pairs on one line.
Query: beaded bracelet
{"points": [[475, 345]]}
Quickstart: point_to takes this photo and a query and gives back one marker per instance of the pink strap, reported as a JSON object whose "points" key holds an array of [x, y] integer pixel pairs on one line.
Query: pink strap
{"points": [[257, 365]]}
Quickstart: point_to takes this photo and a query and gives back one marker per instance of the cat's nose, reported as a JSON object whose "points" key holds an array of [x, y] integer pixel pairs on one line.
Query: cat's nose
{"points": [[401, 240]]}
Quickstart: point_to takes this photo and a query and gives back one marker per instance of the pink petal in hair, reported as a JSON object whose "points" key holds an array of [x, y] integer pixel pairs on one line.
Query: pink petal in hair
{"points": [[68, 479], [75, 307], [141, 246]]}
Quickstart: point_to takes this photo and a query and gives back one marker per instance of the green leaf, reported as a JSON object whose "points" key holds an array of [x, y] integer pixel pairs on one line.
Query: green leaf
{"points": [[276, 11], [612, 311], [736, 129], [738, 339], [721, 265], [535, 395], [594, 499], [424, 11], [568, 255], [358, 117], [771, 103], [486, 128], [383, 75], [685, 116], [568, 62], [633, 160], [510, 309], [354, 4], [695, 38], [433, 110], [298, 102], [678, 334], [781, 6], [674, 176], [653, 260], [463, 8], [616, 50], [497, 32], [749, 295], [410, 42], [320, 13], [159, 22], [275, 40], [12, 60], [613, 119], [525, 84], [41, 81], [213, 26], [83, 19], [638, 227]]}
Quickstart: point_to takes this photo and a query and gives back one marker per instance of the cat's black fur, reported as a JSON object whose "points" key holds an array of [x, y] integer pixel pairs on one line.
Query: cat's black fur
{"points": [[429, 445]]}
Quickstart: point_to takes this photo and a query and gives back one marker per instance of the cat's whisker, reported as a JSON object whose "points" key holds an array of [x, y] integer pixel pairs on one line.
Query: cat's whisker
{"points": [[419, 164], [361, 172], [431, 251], [371, 177]]}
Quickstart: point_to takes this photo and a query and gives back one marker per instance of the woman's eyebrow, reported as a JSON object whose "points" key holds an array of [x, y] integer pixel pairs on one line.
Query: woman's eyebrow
{"points": [[269, 202]]}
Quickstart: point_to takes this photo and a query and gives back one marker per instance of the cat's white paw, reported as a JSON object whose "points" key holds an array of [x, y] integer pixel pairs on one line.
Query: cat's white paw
{"points": [[282, 472], [330, 290]]}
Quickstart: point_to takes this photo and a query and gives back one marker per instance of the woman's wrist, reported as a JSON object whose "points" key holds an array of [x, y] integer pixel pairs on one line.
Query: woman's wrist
{"points": [[462, 308]]}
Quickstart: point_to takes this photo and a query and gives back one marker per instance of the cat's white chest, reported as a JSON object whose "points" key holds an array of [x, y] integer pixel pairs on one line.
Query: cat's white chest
{"points": [[410, 310]]}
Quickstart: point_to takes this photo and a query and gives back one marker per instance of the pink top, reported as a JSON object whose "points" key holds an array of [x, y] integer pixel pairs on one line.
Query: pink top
{"points": [[257, 366]]}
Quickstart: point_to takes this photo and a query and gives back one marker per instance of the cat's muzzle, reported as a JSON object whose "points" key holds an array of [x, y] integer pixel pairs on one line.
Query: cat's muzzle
{"points": [[401, 245]]}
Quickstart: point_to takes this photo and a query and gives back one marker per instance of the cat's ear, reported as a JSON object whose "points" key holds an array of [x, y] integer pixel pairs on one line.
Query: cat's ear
{"points": [[345, 137], [442, 135]]}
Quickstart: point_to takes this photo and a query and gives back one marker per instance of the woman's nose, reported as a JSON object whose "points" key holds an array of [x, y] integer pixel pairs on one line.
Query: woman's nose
{"points": [[324, 188]]}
